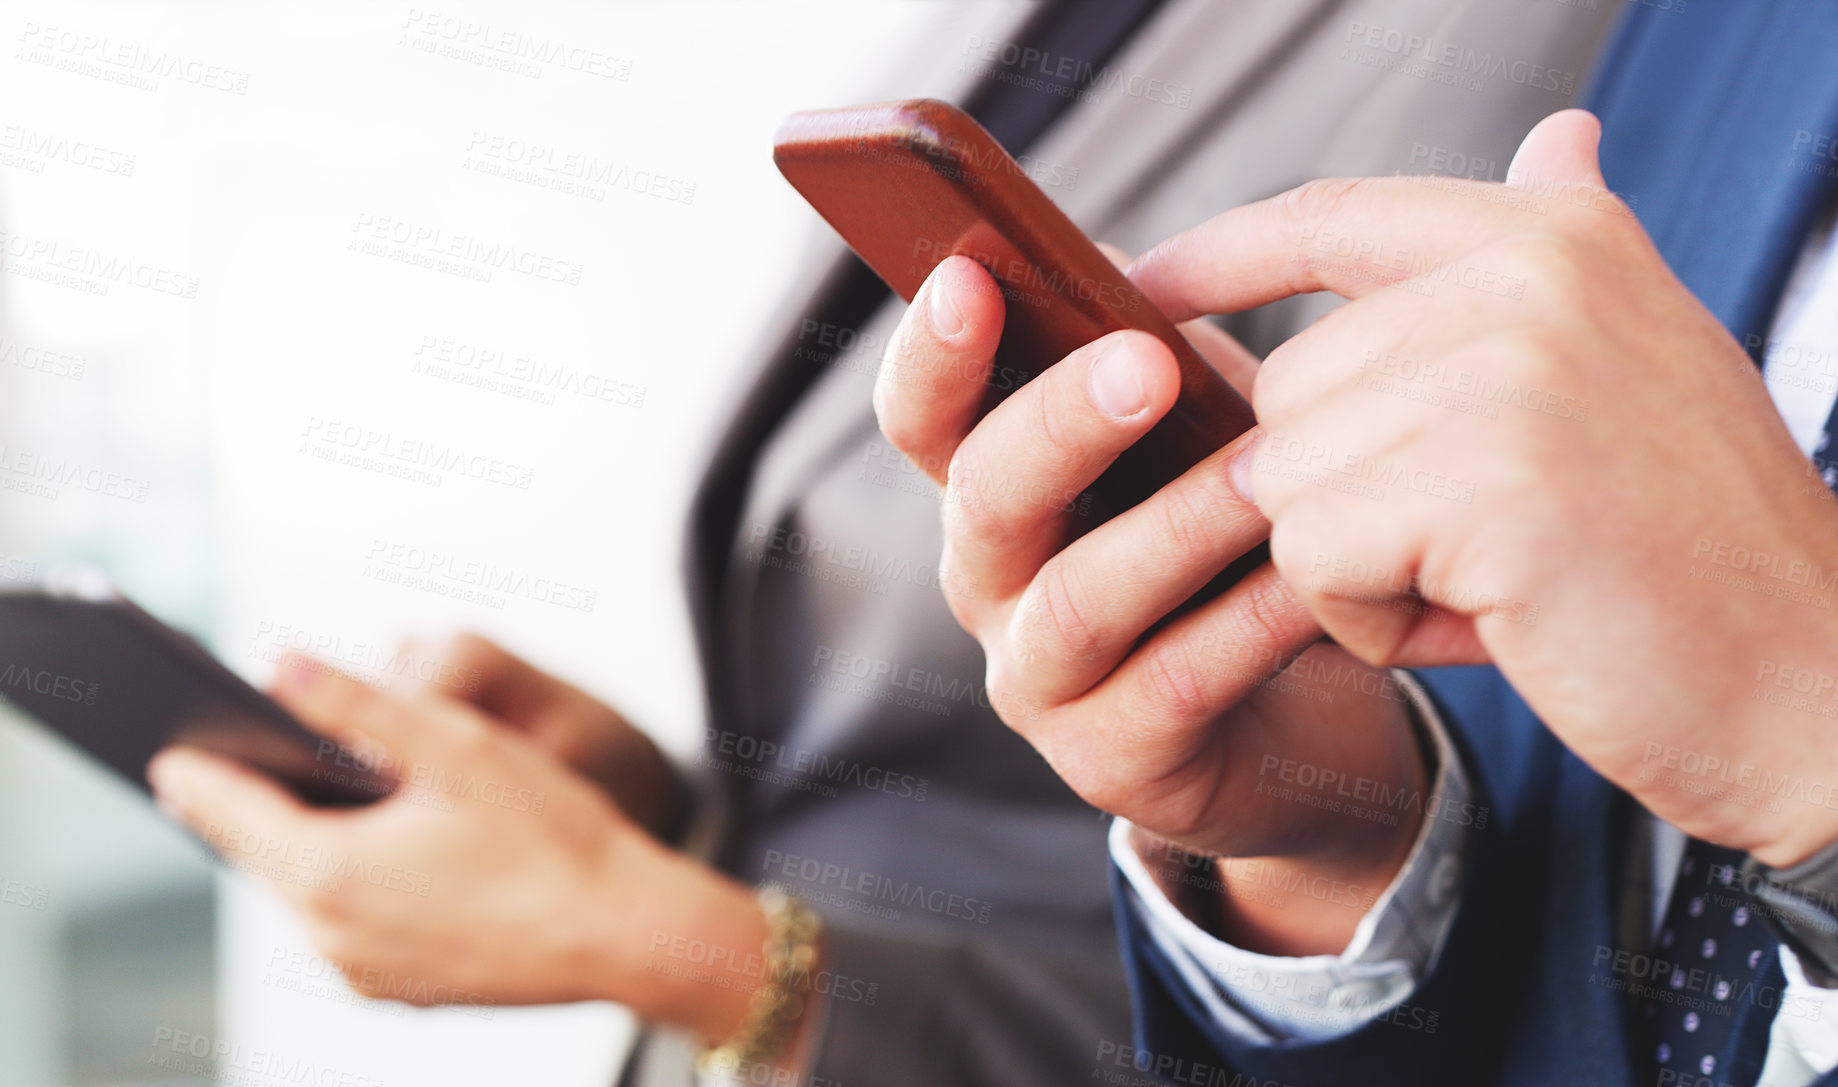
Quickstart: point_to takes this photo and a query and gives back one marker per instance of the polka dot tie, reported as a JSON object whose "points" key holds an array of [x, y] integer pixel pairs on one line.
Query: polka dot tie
{"points": [[1709, 950]]}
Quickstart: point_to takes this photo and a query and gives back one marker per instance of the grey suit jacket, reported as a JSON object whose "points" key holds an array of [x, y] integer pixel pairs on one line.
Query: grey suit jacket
{"points": [[964, 887]]}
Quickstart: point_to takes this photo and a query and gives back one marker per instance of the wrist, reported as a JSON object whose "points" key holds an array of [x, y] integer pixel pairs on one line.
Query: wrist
{"points": [[690, 954], [1311, 898], [1777, 792]]}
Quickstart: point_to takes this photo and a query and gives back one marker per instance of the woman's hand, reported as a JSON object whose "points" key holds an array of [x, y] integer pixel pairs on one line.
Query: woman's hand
{"points": [[493, 874], [568, 723]]}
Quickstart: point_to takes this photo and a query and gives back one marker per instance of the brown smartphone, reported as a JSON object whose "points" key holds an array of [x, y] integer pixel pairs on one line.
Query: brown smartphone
{"points": [[910, 183]]}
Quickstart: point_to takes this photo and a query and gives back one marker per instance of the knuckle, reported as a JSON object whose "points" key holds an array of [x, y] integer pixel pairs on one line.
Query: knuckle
{"points": [[1267, 613], [968, 509], [1554, 261], [1186, 527], [1321, 200], [1528, 353], [1173, 679], [1054, 618]]}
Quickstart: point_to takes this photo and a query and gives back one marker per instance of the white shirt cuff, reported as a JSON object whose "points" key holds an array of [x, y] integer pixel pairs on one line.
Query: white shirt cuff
{"points": [[1266, 998]]}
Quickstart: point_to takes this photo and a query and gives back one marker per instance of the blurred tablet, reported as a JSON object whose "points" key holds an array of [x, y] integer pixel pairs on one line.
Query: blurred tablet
{"points": [[120, 685]]}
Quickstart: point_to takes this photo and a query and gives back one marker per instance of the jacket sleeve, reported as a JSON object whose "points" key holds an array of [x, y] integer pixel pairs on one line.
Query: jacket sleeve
{"points": [[1448, 1030]]}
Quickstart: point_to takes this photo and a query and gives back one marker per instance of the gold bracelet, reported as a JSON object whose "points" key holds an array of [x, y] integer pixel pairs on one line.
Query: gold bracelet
{"points": [[793, 932]]}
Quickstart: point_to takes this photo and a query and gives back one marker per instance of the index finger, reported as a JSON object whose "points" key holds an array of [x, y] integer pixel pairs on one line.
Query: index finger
{"points": [[1351, 236], [409, 731]]}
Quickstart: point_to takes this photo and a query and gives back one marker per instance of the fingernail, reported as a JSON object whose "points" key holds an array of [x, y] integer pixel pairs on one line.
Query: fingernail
{"points": [[941, 309], [1243, 466], [1116, 383]]}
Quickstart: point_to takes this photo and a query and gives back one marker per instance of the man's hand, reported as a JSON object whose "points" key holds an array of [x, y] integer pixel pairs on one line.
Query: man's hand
{"points": [[1186, 727], [493, 875], [568, 723], [1525, 441]]}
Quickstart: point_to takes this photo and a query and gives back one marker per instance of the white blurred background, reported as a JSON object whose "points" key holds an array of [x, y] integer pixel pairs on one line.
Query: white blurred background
{"points": [[217, 222]]}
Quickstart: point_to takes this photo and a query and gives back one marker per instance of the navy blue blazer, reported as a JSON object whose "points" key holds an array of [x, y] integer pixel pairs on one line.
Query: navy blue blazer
{"points": [[1713, 113]]}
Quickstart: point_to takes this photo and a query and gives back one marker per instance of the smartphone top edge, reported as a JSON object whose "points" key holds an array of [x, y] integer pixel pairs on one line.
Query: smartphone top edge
{"points": [[923, 123]]}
